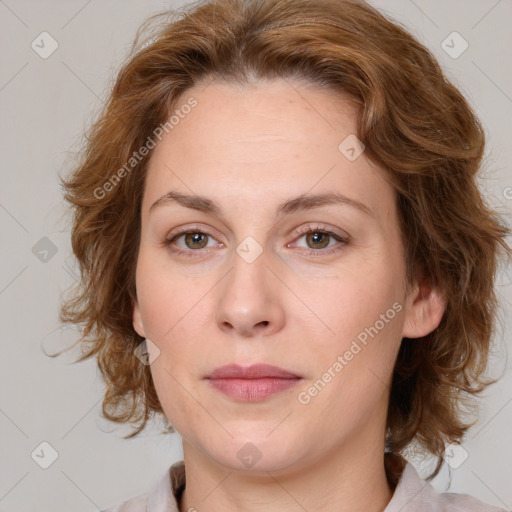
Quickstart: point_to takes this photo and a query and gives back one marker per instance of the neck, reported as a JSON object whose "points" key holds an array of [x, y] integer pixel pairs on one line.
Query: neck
{"points": [[350, 478]]}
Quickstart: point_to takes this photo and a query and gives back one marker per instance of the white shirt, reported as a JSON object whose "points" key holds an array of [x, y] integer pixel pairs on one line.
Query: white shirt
{"points": [[411, 494]]}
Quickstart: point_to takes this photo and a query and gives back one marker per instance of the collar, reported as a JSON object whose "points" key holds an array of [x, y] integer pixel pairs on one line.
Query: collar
{"points": [[412, 494], [167, 493]]}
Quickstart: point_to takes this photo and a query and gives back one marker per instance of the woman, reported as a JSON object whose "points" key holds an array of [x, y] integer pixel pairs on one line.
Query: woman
{"points": [[285, 253]]}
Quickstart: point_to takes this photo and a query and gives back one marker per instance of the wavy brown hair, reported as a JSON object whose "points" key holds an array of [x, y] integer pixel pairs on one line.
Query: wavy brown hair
{"points": [[415, 125]]}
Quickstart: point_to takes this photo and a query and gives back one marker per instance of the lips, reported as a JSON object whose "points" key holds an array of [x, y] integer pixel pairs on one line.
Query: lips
{"points": [[256, 371], [253, 383]]}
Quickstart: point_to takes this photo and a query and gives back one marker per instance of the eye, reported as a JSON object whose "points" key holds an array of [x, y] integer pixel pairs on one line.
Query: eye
{"points": [[318, 239], [192, 240]]}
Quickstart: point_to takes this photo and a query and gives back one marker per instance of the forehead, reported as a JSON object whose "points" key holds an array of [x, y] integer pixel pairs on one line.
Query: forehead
{"points": [[267, 140], [279, 112]]}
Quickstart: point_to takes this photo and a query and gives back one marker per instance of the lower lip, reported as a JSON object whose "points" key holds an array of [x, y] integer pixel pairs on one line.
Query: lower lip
{"points": [[252, 390]]}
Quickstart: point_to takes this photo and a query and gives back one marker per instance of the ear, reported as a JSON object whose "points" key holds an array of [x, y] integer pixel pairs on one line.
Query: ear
{"points": [[137, 319], [424, 309]]}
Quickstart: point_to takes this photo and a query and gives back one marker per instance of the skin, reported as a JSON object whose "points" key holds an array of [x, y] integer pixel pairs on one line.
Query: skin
{"points": [[298, 305]]}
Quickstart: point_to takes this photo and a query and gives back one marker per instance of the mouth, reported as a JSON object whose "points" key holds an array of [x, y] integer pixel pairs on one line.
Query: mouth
{"points": [[252, 383]]}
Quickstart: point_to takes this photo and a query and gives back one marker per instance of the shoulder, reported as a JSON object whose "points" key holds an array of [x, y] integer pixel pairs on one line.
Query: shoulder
{"points": [[463, 502], [414, 494], [137, 504]]}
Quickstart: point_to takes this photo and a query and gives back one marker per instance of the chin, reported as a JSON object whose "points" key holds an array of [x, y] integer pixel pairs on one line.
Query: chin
{"points": [[256, 454]]}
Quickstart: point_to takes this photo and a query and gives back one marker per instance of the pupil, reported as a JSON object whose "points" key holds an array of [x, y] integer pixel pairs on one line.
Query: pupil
{"points": [[195, 239], [318, 238]]}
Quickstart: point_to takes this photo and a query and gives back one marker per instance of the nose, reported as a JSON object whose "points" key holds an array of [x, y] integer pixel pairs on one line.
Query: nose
{"points": [[250, 300]]}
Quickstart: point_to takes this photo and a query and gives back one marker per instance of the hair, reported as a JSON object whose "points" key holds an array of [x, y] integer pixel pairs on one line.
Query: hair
{"points": [[414, 123]]}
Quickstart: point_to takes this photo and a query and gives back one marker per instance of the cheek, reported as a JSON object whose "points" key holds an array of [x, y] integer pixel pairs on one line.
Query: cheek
{"points": [[174, 394], [343, 305], [353, 367], [167, 297], [361, 314]]}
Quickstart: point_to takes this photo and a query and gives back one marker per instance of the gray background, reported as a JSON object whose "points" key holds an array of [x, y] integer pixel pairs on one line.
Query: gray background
{"points": [[45, 105]]}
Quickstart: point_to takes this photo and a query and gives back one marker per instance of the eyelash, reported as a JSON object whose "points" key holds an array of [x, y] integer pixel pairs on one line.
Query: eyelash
{"points": [[303, 231]]}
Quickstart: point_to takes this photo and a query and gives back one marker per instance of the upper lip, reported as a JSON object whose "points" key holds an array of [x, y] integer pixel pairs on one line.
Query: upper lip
{"points": [[255, 371]]}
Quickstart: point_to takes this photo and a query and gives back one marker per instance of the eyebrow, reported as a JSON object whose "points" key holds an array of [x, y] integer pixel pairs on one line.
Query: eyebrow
{"points": [[302, 202]]}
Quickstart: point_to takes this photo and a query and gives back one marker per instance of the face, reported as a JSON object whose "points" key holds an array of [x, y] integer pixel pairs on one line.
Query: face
{"points": [[258, 271]]}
